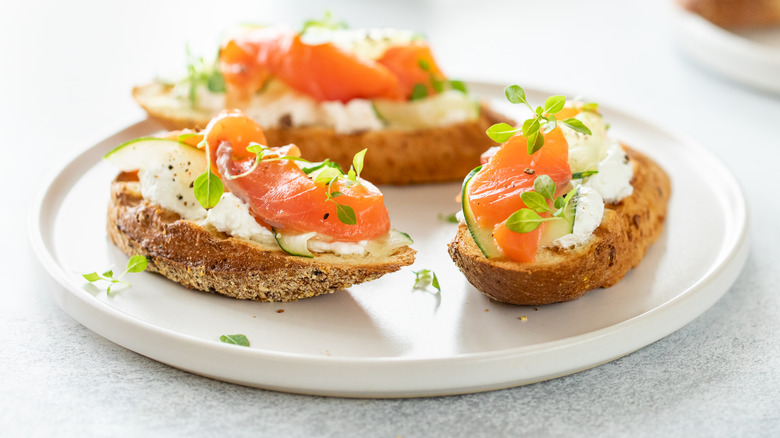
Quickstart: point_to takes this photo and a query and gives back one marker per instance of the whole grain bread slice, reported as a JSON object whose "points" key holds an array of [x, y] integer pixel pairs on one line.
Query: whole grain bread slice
{"points": [[627, 229], [207, 260], [438, 154]]}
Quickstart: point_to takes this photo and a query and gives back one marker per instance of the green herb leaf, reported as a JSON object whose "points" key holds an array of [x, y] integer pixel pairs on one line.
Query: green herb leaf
{"points": [[591, 107], [438, 85], [554, 104], [93, 276], [108, 274], [559, 202], [577, 126], [424, 65], [525, 220], [435, 282], [327, 175], [515, 94], [545, 186], [419, 91], [459, 86], [501, 132], [530, 126], [335, 194], [137, 263], [235, 340], [215, 82], [583, 174], [451, 218], [535, 202], [357, 161], [327, 22], [535, 142], [208, 189], [316, 166], [425, 278], [183, 137], [346, 214]]}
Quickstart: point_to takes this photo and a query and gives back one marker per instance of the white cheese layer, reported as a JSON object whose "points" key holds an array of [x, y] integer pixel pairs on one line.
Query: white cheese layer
{"points": [[589, 212], [611, 184], [169, 185], [613, 181]]}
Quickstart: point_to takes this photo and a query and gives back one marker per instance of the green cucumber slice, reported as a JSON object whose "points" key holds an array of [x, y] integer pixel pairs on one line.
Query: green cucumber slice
{"points": [[294, 244], [426, 113], [148, 152], [385, 245], [556, 229], [482, 237]]}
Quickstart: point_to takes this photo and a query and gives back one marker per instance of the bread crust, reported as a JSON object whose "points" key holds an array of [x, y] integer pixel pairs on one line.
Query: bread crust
{"points": [[627, 229], [395, 156], [736, 13], [211, 261]]}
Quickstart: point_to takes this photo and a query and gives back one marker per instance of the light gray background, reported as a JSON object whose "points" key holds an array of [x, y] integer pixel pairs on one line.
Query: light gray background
{"points": [[66, 71]]}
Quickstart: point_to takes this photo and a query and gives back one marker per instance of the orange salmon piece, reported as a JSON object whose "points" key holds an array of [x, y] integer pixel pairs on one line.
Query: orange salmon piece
{"points": [[494, 193]]}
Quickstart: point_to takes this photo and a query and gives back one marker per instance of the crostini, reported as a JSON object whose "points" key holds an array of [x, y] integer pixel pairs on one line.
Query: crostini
{"points": [[221, 212], [334, 91], [736, 13], [557, 210]]}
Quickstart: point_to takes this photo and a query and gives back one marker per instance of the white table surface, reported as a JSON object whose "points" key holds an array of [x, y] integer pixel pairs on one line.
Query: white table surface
{"points": [[67, 68]]}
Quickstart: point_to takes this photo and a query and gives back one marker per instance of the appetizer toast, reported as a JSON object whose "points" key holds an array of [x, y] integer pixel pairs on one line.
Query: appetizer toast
{"points": [[241, 219], [558, 274], [334, 91], [205, 259], [559, 209]]}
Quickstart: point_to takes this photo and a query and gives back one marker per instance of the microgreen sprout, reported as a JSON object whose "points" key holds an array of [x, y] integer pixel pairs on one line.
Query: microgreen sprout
{"points": [[328, 22], [541, 123], [439, 84], [424, 278], [235, 340], [137, 263], [451, 218], [208, 187], [528, 219], [199, 73]]}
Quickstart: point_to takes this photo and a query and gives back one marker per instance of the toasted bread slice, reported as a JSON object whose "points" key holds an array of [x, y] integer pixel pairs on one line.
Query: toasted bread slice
{"points": [[208, 260], [443, 153], [618, 244], [736, 13]]}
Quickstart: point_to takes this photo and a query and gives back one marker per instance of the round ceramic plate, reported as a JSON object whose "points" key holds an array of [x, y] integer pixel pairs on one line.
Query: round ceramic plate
{"points": [[385, 339], [750, 56]]}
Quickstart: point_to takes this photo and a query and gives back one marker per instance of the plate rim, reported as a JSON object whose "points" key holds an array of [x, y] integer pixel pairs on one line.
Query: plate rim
{"points": [[75, 301]]}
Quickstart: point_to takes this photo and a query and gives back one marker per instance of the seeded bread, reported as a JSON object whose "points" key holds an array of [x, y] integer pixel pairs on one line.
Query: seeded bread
{"points": [[618, 244], [736, 13], [395, 156], [208, 260]]}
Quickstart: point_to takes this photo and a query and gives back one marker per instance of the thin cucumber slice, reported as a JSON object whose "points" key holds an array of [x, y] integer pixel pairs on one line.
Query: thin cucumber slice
{"points": [[482, 237], [147, 152], [385, 245], [294, 244]]}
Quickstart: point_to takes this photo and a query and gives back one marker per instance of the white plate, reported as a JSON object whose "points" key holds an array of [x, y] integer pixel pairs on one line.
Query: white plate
{"points": [[751, 57], [383, 339]]}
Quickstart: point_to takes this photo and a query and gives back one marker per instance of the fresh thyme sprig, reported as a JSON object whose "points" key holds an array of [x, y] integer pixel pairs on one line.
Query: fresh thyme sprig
{"points": [[328, 22], [199, 73], [528, 219], [541, 123], [424, 278], [137, 263], [420, 91]]}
